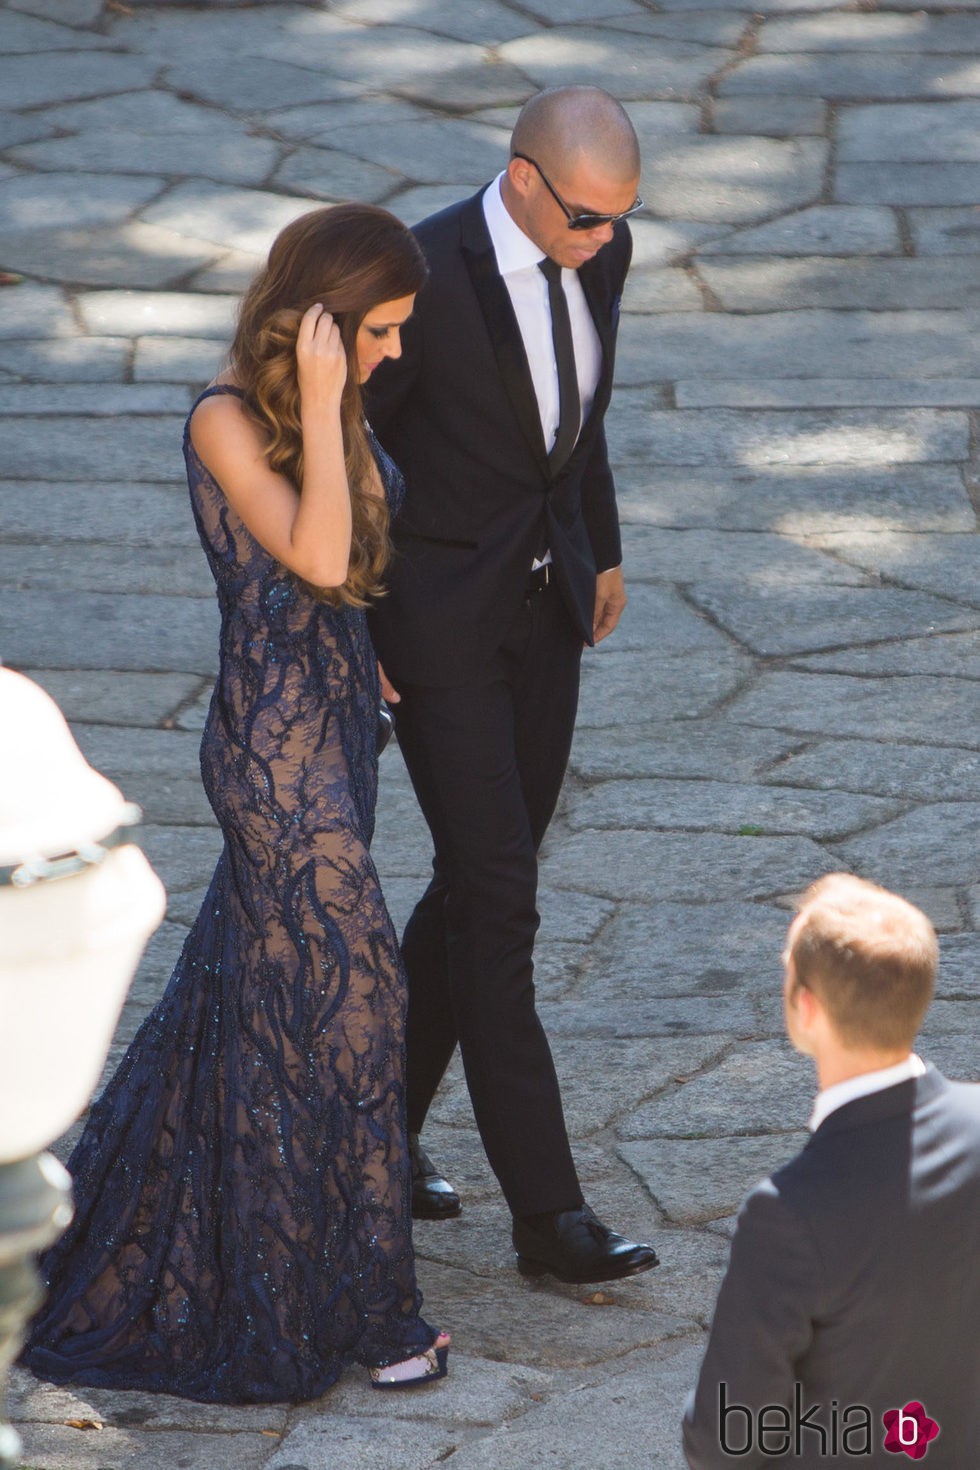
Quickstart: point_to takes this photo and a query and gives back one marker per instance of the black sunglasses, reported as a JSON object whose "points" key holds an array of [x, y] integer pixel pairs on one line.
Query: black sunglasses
{"points": [[583, 221]]}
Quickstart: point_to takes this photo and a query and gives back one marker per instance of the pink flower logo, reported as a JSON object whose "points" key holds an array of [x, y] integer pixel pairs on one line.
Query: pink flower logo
{"points": [[910, 1431]]}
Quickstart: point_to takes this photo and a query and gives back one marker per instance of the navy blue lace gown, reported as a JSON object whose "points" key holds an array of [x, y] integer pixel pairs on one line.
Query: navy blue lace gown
{"points": [[243, 1227]]}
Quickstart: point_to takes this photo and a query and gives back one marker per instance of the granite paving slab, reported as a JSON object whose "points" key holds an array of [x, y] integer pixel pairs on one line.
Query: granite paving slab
{"points": [[177, 359], [670, 242], [854, 230], [54, 76], [632, 1068], [934, 132], [82, 359], [59, 1448], [316, 121], [92, 630], [242, 219], [137, 313], [428, 151], [657, 290], [18, 127], [213, 153], [482, 21], [657, 949], [949, 1018], [772, 621], [184, 857], [34, 311], [678, 627], [818, 281], [933, 844], [601, 1428], [946, 565], [83, 448], [733, 180], [682, 747], [921, 33], [917, 708], [697, 1180], [908, 183], [258, 81], [854, 76], [557, 12], [758, 437], [797, 500], [653, 1017], [566, 1327], [708, 27], [71, 12], [115, 698], [906, 772], [650, 68], [804, 392], [131, 254], [54, 566], [48, 1403], [630, 685], [20, 35], [954, 654], [482, 1391], [959, 966], [695, 867], [570, 916], [823, 343], [94, 401], [945, 231], [113, 513], [719, 806], [774, 117], [751, 559], [772, 1083], [328, 173]]}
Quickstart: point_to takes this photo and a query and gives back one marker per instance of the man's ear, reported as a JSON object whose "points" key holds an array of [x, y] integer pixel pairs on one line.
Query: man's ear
{"points": [[520, 173], [808, 1007]]}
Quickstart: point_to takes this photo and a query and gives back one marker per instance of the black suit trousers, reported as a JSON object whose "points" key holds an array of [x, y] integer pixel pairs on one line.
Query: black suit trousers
{"points": [[487, 760]]}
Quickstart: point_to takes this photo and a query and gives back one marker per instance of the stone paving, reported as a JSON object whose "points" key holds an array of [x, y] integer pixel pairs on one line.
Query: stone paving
{"points": [[794, 687]]}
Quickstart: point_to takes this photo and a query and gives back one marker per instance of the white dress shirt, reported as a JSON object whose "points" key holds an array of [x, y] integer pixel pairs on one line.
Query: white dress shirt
{"points": [[832, 1098], [517, 261]]}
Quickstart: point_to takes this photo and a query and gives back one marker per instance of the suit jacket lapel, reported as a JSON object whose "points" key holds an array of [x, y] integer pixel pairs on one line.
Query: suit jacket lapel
{"points": [[505, 336], [596, 292]]}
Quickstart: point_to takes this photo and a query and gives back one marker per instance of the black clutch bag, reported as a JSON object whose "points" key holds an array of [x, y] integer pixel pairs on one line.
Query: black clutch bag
{"points": [[386, 726]]}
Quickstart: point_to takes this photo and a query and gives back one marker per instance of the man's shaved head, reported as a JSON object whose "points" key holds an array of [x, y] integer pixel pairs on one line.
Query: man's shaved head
{"points": [[563, 124]]}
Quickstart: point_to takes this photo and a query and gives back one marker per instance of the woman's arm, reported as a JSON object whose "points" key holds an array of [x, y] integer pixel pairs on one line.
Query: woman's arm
{"points": [[310, 533]]}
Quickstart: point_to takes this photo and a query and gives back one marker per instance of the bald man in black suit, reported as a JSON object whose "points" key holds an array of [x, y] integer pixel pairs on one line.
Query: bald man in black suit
{"points": [[507, 562]]}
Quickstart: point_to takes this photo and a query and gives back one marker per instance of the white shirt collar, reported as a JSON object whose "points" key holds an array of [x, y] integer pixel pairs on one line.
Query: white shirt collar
{"points": [[514, 250], [832, 1098]]}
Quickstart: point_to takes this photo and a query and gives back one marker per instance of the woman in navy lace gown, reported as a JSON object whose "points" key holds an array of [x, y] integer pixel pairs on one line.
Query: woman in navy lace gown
{"points": [[242, 1227]]}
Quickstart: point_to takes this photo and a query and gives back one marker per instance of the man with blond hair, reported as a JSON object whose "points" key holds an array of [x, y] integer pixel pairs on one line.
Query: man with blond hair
{"points": [[846, 1328]]}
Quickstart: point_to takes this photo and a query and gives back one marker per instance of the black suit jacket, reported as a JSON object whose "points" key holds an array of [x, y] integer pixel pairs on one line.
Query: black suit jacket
{"points": [[855, 1271], [459, 416]]}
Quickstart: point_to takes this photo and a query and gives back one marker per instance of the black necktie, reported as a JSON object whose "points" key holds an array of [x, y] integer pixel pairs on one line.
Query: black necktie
{"points": [[569, 402]]}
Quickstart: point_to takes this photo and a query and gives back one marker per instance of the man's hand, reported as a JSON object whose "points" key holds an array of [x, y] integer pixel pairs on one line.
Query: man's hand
{"points": [[388, 691], [610, 599]]}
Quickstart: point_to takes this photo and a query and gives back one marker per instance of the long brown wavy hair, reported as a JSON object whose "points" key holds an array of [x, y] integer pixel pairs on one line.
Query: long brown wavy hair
{"points": [[350, 257]]}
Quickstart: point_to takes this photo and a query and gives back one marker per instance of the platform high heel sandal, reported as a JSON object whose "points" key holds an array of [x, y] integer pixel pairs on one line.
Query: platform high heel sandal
{"points": [[427, 1367]]}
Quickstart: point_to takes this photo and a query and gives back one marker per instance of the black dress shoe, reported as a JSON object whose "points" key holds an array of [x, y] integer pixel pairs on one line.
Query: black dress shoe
{"points": [[433, 1198], [576, 1247]]}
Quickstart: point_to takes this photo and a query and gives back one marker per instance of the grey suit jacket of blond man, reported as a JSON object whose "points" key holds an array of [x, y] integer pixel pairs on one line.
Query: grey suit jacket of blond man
{"points": [[853, 1284]]}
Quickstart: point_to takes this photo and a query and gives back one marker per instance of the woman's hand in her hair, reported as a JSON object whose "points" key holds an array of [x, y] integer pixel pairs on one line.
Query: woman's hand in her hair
{"points": [[321, 358]]}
